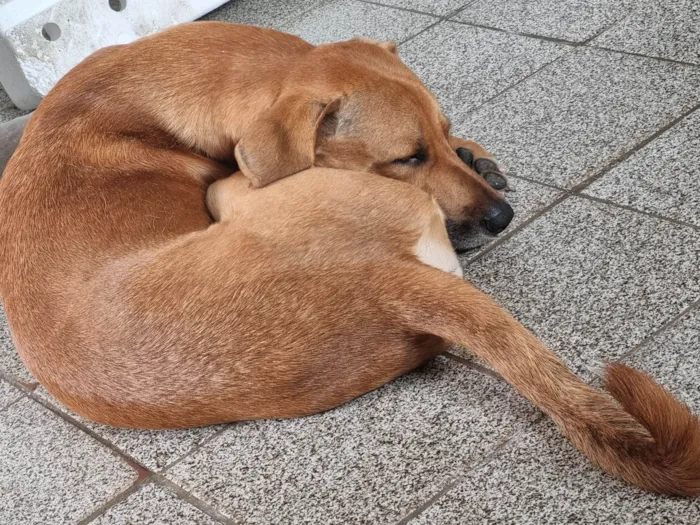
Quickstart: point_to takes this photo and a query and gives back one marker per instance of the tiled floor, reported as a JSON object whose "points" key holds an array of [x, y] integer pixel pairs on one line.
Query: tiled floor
{"points": [[595, 107], [7, 110]]}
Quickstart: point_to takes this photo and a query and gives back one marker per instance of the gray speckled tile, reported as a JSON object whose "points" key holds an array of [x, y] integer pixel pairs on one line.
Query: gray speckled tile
{"points": [[435, 7], [8, 394], [572, 118], [50, 471], [541, 479], [662, 177], [672, 358], [10, 135], [152, 504], [370, 461], [527, 198], [572, 20], [266, 13], [345, 19], [154, 449], [592, 280], [465, 66], [10, 363], [8, 110], [661, 28]]}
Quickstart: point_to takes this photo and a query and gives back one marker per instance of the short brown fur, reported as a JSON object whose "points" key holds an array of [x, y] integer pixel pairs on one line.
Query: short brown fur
{"points": [[134, 310]]}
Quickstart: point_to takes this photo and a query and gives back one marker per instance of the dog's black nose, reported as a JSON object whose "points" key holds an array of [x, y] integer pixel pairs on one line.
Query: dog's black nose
{"points": [[498, 217]]}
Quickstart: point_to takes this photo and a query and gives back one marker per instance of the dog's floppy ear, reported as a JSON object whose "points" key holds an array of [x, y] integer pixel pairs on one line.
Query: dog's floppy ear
{"points": [[282, 141]]}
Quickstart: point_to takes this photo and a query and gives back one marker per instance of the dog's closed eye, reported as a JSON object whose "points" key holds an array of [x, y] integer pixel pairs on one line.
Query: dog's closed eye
{"points": [[419, 157], [410, 161]]}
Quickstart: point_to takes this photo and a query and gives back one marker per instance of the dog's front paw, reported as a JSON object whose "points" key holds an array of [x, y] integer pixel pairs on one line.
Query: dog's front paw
{"points": [[481, 161]]}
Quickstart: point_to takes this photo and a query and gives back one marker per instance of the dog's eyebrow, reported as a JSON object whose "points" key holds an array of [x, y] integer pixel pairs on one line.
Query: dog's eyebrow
{"points": [[421, 150]]}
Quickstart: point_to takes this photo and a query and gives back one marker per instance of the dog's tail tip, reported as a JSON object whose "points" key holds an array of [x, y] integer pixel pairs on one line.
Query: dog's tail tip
{"points": [[675, 463]]}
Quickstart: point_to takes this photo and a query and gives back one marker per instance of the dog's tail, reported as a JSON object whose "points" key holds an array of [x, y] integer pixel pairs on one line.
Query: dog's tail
{"points": [[643, 436]]}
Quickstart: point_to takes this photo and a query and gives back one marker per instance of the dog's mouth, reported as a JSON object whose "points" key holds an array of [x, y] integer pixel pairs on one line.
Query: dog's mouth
{"points": [[467, 237]]}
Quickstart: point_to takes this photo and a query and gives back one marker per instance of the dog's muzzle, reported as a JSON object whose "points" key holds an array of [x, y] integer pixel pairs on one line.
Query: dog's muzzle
{"points": [[468, 235]]}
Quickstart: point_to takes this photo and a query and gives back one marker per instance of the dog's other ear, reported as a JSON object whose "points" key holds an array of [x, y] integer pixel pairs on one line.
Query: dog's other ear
{"points": [[283, 140], [390, 46]]}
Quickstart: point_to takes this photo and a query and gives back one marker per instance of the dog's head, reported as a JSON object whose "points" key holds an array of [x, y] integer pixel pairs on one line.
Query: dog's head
{"points": [[354, 105]]}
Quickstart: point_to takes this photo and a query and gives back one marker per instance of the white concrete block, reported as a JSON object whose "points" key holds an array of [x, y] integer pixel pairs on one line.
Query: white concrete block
{"points": [[40, 40]]}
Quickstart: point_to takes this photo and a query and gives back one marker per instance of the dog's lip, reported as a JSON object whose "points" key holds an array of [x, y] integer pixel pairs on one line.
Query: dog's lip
{"points": [[462, 251], [472, 242]]}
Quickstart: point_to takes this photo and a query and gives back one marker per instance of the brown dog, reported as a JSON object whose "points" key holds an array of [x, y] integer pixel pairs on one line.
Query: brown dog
{"points": [[134, 311]]}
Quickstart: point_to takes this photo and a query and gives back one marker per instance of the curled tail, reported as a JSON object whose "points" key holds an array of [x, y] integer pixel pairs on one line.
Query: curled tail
{"points": [[642, 434]]}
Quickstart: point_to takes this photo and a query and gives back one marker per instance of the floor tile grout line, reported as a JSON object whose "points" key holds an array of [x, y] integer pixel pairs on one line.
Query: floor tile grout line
{"points": [[535, 181], [425, 29], [116, 500], [563, 41], [603, 200], [477, 367], [572, 43], [300, 15], [430, 501], [651, 214], [22, 395], [18, 383], [144, 474], [459, 9], [605, 29], [193, 500], [116, 450], [533, 36], [480, 105], [525, 78], [142, 471], [642, 55], [400, 8], [307, 11], [577, 191], [613, 163], [438, 22], [197, 446], [161, 481], [469, 468], [564, 196], [501, 240], [639, 347]]}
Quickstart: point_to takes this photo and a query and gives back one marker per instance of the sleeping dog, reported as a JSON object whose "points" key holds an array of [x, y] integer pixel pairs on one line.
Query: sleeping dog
{"points": [[327, 273]]}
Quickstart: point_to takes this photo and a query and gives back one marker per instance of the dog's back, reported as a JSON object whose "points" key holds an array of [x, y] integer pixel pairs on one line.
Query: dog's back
{"points": [[100, 173]]}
